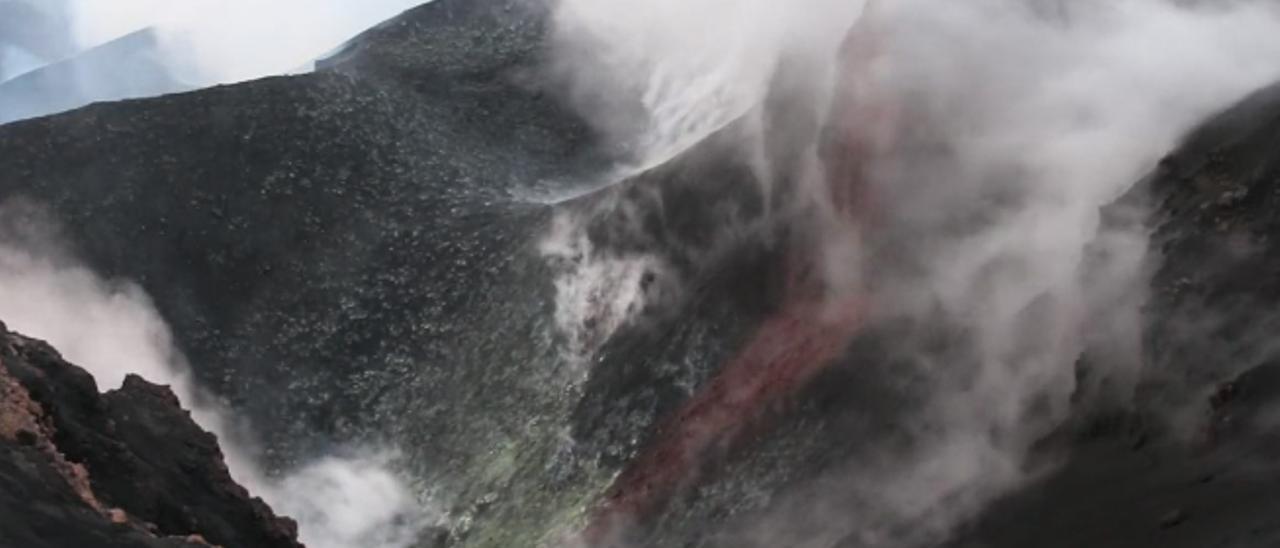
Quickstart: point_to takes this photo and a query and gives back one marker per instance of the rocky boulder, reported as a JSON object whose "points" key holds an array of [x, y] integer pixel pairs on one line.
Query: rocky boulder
{"points": [[124, 468]]}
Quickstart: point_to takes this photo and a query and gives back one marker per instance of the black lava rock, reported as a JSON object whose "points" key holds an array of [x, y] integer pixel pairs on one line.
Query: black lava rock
{"points": [[125, 468]]}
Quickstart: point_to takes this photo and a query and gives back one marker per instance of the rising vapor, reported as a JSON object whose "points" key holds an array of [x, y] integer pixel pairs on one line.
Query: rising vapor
{"points": [[111, 328], [1014, 122], [170, 46], [931, 173]]}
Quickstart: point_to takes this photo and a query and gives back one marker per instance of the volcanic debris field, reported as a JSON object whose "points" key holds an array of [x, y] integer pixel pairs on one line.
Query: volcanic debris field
{"points": [[411, 247]]}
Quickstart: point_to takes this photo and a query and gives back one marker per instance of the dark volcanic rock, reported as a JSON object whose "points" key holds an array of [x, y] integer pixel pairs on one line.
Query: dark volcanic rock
{"points": [[125, 468], [354, 255], [1209, 478], [39, 511], [300, 233], [1216, 221]]}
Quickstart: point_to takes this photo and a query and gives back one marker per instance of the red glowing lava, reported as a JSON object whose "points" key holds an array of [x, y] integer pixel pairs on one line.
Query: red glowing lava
{"points": [[816, 322]]}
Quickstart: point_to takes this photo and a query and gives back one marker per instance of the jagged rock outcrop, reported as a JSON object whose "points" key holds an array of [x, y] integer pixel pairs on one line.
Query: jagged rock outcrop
{"points": [[121, 469]]}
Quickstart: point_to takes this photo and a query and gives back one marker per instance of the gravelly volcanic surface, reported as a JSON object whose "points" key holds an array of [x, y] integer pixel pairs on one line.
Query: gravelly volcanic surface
{"points": [[359, 255]]}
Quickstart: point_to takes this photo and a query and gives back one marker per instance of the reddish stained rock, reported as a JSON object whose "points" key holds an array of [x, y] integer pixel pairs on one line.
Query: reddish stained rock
{"points": [[125, 468], [817, 320]]}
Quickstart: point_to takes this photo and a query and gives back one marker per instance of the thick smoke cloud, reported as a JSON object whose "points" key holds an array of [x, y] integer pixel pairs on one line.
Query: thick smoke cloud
{"points": [[662, 75], [1017, 121], [220, 41], [658, 77], [32, 34], [111, 329], [189, 44]]}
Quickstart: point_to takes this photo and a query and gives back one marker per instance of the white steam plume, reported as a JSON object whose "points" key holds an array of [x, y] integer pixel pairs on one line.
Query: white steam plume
{"points": [[190, 44], [662, 75], [111, 329], [599, 292], [1025, 117], [222, 41]]}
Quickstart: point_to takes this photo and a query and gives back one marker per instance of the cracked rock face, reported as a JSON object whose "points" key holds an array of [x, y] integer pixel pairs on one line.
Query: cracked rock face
{"points": [[121, 469]]}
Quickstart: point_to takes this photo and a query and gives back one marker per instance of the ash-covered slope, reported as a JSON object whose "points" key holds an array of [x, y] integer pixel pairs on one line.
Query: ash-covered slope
{"points": [[357, 256], [374, 253], [1191, 461], [305, 224], [124, 468]]}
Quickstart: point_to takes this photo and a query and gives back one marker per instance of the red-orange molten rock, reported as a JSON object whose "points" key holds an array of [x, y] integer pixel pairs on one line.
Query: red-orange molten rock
{"points": [[810, 331]]}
